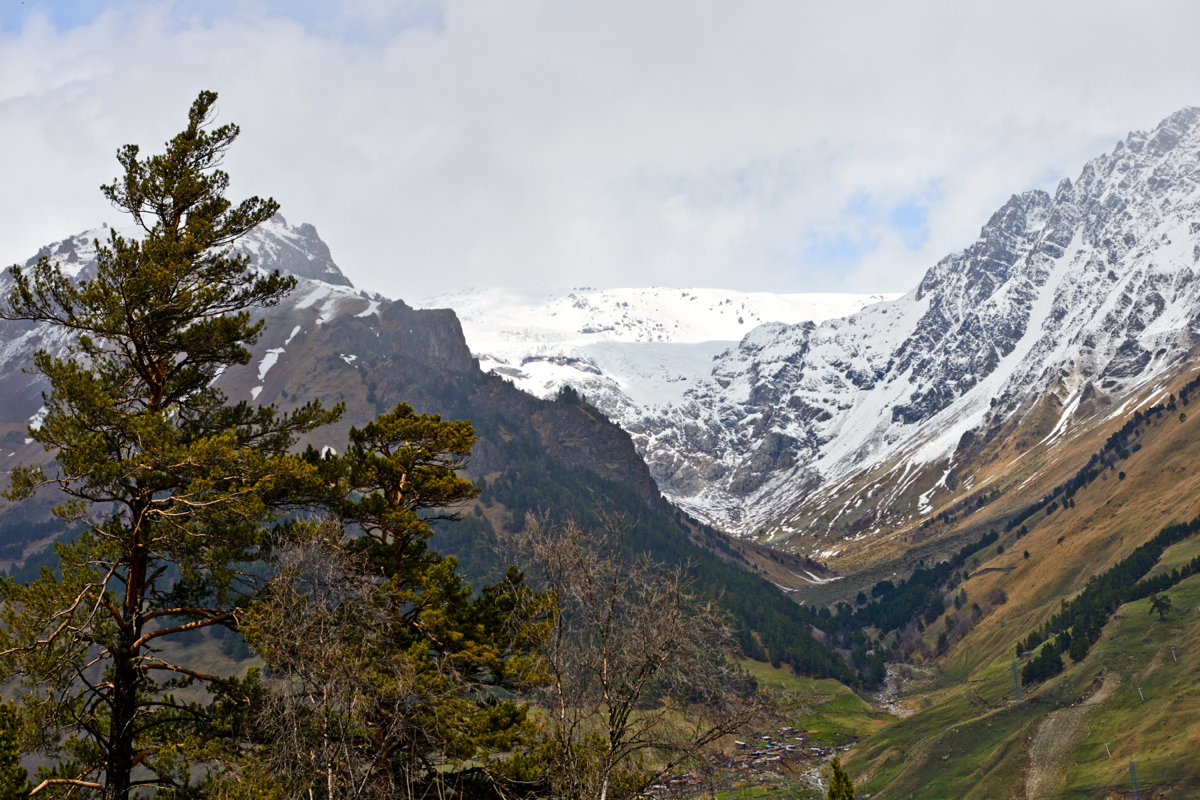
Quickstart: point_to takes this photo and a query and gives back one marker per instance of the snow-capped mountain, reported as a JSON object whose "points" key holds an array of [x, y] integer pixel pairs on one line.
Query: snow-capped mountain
{"points": [[624, 349], [1087, 296], [330, 341], [803, 418], [854, 415], [322, 293]]}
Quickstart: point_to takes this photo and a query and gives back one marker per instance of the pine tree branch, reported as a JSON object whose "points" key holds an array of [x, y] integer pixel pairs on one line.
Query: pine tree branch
{"points": [[205, 613], [67, 615], [200, 676], [66, 782], [190, 626]]}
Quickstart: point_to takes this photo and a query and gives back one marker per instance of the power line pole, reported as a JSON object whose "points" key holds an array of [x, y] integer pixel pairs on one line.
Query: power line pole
{"points": [[1133, 779]]}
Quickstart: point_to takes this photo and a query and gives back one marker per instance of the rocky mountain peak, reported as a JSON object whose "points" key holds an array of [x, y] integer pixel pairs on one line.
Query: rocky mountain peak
{"points": [[1090, 292], [295, 250], [1169, 133], [322, 294]]}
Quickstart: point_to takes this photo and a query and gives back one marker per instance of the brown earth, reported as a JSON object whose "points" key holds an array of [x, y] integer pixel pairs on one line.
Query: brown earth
{"points": [[1056, 738]]}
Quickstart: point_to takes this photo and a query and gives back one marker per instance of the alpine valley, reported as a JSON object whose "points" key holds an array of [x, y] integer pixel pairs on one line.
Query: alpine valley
{"points": [[985, 482], [1014, 431], [839, 418], [559, 458]]}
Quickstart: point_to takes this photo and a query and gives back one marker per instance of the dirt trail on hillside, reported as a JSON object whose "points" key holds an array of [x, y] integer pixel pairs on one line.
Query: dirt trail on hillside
{"points": [[1055, 739]]}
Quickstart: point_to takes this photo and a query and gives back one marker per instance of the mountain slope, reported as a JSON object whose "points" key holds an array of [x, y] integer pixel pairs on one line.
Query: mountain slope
{"points": [[330, 341], [1065, 307], [970, 735], [560, 458]]}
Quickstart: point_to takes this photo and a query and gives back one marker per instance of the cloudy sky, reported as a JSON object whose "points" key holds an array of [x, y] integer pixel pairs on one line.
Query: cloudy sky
{"points": [[783, 146]]}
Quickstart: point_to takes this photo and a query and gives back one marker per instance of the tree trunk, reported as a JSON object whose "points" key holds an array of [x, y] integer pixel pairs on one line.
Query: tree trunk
{"points": [[125, 677], [119, 770]]}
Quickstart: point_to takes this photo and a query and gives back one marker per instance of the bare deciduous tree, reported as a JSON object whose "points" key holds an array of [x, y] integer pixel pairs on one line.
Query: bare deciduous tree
{"points": [[367, 697], [641, 680], [319, 724]]}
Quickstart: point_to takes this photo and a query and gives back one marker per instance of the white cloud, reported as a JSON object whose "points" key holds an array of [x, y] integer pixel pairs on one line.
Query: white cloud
{"points": [[597, 143]]}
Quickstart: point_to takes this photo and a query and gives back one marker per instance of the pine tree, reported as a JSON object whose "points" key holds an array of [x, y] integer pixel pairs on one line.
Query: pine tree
{"points": [[1162, 604], [840, 785], [390, 676], [14, 780], [170, 484]]}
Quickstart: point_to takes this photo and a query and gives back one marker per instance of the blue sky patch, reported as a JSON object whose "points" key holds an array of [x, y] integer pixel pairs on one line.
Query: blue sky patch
{"points": [[317, 16], [911, 220], [841, 250]]}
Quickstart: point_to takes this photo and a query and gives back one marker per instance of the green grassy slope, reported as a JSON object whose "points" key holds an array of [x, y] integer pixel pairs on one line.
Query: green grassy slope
{"points": [[975, 740], [969, 737]]}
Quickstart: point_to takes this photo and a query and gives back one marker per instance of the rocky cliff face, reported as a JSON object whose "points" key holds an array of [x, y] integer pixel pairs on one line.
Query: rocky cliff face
{"points": [[1068, 307], [330, 341], [1065, 305], [1091, 293]]}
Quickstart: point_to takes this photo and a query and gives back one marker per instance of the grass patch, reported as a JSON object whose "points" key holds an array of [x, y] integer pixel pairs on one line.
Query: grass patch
{"points": [[1160, 732], [784, 680], [842, 719], [1176, 556], [966, 744], [972, 741], [827, 710], [770, 790]]}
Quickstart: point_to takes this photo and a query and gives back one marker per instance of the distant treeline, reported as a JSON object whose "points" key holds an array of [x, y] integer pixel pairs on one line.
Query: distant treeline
{"points": [[1075, 628], [1078, 625], [14, 536], [891, 606], [769, 626]]}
